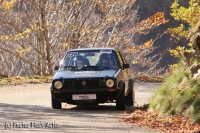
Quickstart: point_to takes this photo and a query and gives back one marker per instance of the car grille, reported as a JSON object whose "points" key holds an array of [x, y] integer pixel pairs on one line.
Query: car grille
{"points": [[79, 84]]}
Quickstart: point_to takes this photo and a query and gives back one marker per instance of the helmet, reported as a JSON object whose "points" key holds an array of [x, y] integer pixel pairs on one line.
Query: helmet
{"points": [[104, 56], [102, 62], [79, 58]]}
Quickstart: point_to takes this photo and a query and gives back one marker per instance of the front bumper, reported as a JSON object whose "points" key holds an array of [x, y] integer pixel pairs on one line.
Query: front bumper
{"points": [[84, 91], [103, 94]]}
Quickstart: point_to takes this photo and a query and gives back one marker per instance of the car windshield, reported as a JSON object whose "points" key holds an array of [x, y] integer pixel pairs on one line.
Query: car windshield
{"points": [[90, 60]]}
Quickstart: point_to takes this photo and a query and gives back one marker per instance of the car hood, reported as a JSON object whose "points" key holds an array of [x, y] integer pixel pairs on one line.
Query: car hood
{"points": [[85, 74]]}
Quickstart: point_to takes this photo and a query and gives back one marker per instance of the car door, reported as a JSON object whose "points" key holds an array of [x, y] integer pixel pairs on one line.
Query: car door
{"points": [[125, 71]]}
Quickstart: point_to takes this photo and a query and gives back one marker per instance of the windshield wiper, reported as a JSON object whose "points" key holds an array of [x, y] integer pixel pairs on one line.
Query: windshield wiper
{"points": [[106, 68], [90, 67]]}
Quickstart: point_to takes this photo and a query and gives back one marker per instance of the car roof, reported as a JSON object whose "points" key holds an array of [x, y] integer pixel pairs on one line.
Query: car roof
{"points": [[82, 49]]}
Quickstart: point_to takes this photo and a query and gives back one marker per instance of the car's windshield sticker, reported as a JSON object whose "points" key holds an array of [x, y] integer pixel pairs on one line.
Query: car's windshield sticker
{"points": [[106, 51], [71, 54]]}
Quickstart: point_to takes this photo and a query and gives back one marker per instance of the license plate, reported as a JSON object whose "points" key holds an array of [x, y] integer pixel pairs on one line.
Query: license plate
{"points": [[83, 96]]}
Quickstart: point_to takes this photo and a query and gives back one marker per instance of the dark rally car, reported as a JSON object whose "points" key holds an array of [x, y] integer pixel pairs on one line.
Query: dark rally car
{"points": [[93, 76]]}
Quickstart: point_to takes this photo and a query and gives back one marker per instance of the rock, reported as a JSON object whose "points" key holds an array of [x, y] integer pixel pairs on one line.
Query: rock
{"points": [[188, 57], [195, 70], [197, 75], [197, 42]]}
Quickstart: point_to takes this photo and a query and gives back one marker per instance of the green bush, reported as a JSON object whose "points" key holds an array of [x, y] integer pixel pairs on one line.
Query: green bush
{"points": [[179, 94]]}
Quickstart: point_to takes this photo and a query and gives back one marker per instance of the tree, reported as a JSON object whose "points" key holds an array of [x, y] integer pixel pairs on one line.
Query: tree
{"points": [[36, 33], [189, 16], [188, 30]]}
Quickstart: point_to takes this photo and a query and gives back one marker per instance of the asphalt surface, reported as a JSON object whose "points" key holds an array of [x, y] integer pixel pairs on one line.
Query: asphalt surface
{"points": [[27, 108]]}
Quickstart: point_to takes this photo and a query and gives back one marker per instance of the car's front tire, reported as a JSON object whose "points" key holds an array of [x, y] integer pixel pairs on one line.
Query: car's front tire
{"points": [[55, 104], [130, 98], [120, 101]]}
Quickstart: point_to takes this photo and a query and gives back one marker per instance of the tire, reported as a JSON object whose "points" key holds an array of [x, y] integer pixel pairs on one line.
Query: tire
{"points": [[130, 98], [121, 101], [55, 104]]}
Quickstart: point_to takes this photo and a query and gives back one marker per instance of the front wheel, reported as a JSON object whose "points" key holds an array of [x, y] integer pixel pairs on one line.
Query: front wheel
{"points": [[130, 98], [55, 104], [120, 101]]}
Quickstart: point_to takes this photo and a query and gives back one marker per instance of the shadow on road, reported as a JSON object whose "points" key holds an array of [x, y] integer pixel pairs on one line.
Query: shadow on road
{"points": [[77, 118]]}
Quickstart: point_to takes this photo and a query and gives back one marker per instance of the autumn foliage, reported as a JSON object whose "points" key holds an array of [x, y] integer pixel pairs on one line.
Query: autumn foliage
{"points": [[151, 22], [169, 124], [35, 34], [189, 16]]}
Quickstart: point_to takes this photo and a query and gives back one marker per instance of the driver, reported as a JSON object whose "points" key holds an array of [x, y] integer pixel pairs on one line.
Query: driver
{"points": [[79, 61], [105, 61]]}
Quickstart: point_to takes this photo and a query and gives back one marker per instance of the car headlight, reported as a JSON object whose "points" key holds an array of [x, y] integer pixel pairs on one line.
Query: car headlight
{"points": [[110, 83], [58, 84]]}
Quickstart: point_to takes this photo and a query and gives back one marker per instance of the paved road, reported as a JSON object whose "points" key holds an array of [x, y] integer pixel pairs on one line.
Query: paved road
{"points": [[26, 108]]}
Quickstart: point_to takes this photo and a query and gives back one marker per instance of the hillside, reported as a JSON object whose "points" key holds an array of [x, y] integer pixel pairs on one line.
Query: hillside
{"points": [[179, 94]]}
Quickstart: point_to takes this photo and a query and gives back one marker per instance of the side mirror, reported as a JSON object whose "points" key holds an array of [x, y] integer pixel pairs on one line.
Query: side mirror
{"points": [[56, 68], [125, 65]]}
